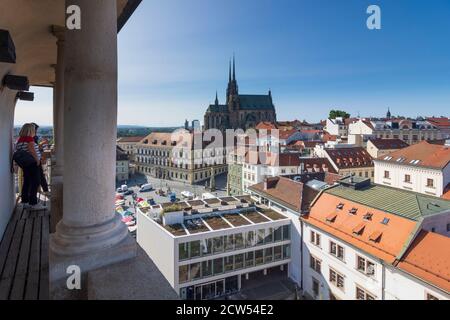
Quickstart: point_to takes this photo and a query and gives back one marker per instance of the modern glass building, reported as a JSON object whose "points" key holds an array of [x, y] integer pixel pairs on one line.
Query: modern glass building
{"points": [[209, 248]]}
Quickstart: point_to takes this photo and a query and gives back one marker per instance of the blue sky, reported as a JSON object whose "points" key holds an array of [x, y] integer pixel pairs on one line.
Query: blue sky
{"points": [[313, 54]]}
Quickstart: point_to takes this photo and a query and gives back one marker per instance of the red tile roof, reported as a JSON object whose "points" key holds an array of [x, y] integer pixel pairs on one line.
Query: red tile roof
{"points": [[356, 157], [284, 190], [428, 258], [446, 193], [428, 154], [266, 125], [387, 247], [441, 123], [389, 144], [130, 139], [285, 134]]}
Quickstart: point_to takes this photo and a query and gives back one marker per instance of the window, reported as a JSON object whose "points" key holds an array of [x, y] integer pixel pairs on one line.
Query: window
{"points": [[315, 263], [195, 249], [337, 279], [431, 297], [259, 257], [261, 235], [183, 273], [228, 263], [277, 254], [238, 261], [315, 238], [268, 255], [229, 242], [277, 234], [194, 271], [183, 251], [386, 174], [448, 227], [206, 247], [430, 183], [218, 244], [337, 250], [286, 232], [269, 236], [207, 268], [315, 287], [218, 266], [362, 294], [407, 178], [286, 251], [250, 241], [249, 259], [238, 241], [365, 266]]}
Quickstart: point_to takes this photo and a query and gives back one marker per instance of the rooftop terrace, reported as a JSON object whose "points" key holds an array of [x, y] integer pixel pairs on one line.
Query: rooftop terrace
{"points": [[197, 216]]}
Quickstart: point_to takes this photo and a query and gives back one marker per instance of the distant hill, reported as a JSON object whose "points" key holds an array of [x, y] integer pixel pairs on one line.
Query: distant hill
{"points": [[122, 130]]}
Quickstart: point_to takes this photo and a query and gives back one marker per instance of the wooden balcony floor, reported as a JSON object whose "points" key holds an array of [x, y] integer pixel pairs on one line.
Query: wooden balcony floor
{"points": [[24, 256]]}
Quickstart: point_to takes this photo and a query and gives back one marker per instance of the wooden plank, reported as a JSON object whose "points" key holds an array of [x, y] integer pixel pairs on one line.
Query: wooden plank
{"points": [[11, 261], [44, 275], [5, 244], [20, 274], [34, 265], [18, 213]]}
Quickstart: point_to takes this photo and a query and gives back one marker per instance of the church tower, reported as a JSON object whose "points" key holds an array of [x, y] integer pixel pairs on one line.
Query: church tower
{"points": [[232, 89], [388, 114]]}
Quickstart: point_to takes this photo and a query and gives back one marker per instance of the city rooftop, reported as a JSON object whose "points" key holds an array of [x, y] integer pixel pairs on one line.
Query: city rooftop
{"points": [[199, 216]]}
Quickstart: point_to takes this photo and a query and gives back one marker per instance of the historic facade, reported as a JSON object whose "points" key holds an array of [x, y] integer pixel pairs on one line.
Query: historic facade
{"points": [[240, 110]]}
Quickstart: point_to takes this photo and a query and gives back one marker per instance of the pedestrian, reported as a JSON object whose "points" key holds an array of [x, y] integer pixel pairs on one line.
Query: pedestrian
{"points": [[44, 184], [26, 147]]}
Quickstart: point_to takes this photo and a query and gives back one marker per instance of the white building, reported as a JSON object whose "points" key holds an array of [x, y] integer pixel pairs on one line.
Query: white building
{"points": [[381, 147], [370, 242], [122, 165], [210, 248], [423, 168], [338, 126], [409, 130], [280, 164]]}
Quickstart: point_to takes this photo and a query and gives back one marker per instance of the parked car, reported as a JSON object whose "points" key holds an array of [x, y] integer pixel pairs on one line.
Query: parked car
{"points": [[146, 187], [172, 197], [187, 194], [151, 201], [128, 192], [119, 190]]}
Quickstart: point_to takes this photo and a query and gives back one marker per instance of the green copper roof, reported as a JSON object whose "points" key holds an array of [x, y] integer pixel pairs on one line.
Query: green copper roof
{"points": [[255, 102], [404, 203]]}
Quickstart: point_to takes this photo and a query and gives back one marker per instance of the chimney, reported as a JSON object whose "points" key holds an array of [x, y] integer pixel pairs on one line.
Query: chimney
{"points": [[265, 183]]}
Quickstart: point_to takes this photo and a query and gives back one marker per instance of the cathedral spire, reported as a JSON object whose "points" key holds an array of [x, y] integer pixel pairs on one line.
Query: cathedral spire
{"points": [[229, 72], [217, 99], [234, 69]]}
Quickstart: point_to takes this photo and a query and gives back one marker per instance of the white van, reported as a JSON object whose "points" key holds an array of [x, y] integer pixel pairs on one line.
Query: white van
{"points": [[124, 188], [146, 187]]}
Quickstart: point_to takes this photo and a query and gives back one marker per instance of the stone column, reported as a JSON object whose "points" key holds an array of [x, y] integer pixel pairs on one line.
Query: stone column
{"points": [[90, 234], [58, 112]]}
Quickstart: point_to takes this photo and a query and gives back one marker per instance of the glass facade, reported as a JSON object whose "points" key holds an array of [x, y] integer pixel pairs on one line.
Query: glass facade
{"points": [[232, 242], [211, 290], [213, 267]]}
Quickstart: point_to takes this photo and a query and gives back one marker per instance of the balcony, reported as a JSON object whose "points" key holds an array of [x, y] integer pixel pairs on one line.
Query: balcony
{"points": [[80, 228]]}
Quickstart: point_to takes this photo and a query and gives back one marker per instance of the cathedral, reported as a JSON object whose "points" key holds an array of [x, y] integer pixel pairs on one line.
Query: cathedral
{"points": [[241, 111]]}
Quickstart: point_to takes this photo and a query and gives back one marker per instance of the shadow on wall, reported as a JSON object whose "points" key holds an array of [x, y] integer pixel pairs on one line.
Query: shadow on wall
{"points": [[315, 284], [7, 106]]}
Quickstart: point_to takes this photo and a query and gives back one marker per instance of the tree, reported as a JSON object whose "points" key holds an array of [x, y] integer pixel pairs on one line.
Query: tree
{"points": [[339, 113]]}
